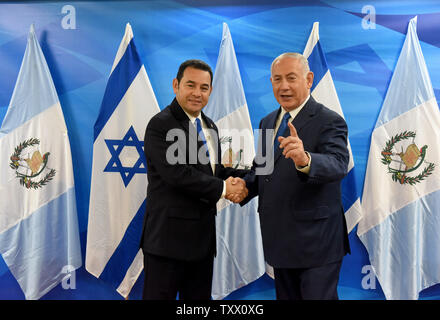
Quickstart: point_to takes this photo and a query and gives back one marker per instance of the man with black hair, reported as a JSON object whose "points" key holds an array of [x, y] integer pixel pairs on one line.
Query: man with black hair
{"points": [[185, 181]]}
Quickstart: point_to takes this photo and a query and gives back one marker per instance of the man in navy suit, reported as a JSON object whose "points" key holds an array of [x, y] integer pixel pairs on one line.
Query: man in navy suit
{"points": [[302, 220], [185, 181]]}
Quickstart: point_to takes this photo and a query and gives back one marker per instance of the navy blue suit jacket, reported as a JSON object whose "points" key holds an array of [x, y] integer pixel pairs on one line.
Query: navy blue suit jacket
{"points": [[301, 215]]}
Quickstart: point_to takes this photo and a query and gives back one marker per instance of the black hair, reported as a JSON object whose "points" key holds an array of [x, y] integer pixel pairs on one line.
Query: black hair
{"points": [[193, 63]]}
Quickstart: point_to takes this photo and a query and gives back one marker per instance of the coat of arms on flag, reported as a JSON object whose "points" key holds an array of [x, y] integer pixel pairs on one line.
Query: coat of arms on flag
{"points": [[29, 168], [400, 224], [230, 158], [39, 234], [405, 161], [240, 257]]}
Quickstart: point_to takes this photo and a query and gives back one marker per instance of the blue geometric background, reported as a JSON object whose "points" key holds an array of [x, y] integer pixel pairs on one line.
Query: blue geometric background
{"points": [[169, 32]]}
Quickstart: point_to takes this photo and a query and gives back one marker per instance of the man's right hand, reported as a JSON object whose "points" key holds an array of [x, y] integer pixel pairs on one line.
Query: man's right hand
{"points": [[236, 189]]}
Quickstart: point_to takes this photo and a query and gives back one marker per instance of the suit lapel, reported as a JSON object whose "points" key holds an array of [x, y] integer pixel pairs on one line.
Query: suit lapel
{"points": [[185, 123], [305, 115], [272, 119], [272, 122], [180, 115]]}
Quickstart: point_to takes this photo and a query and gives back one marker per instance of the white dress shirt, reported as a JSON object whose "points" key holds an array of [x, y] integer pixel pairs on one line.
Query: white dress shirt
{"points": [[209, 143], [293, 114]]}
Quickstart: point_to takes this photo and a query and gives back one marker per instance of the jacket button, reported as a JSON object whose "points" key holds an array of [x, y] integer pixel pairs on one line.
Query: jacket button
{"points": [[266, 179]]}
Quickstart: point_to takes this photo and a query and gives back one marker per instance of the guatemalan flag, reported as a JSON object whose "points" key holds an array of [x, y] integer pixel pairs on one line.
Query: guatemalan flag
{"points": [[323, 90], [39, 239], [119, 172], [401, 197], [240, 258]]}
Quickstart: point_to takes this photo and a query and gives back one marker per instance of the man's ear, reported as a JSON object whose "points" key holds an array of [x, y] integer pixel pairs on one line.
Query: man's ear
{"points": [[175, 85], [309, 78]]}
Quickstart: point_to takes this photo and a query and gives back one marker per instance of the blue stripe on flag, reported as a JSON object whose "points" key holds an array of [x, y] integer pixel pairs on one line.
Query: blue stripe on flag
{"points": [[317, 64], [416, 92], [117, 266], [228, 94], [118, 84], [38, 248], [409, 243], [240, 257], [349, 194], [28, 98]]}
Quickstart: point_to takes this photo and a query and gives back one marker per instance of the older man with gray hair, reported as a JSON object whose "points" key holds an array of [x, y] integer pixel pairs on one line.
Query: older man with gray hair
{"points": [[301, 215]]}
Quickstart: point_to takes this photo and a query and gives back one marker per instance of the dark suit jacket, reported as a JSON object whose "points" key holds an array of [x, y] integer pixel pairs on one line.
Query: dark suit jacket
{"points": [[181, 201], [301, 216]]}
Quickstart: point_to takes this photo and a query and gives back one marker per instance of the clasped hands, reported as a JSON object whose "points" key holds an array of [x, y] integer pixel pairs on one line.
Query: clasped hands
{"points": [[292, 147], [236, 189]]}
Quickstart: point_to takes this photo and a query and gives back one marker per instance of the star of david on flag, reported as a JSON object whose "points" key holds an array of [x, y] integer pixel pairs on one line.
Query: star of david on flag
{"points": [[115, 163], [117, 206]]}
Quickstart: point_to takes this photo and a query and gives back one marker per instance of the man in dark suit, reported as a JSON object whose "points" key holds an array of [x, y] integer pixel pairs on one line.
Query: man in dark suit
{"points": [[301, 215], [185, 181]]}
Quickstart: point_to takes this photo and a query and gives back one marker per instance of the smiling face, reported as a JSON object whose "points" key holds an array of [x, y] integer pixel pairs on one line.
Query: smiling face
{"points": [[193, 90], [290, 82]]}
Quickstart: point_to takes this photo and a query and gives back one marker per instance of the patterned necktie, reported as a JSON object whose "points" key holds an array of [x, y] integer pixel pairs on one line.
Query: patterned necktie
{"points": [[201, 135], [281, 129]]}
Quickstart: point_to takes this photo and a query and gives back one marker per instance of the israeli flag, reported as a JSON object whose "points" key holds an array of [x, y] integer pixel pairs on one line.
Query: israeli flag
{"points": [[119, 172], [323, 90], [401, 197], [39, 239], [240, 258]]}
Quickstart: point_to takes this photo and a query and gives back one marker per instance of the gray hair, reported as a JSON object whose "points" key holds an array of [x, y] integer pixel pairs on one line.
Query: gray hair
{"points": [[293, 55]]}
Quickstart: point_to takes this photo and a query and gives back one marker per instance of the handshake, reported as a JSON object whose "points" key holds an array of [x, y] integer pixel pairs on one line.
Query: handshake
{"points": [[236, 189]]}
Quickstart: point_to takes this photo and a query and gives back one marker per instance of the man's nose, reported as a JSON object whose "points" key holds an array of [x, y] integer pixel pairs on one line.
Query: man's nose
{"points": [[196, 92], [284, 84]]}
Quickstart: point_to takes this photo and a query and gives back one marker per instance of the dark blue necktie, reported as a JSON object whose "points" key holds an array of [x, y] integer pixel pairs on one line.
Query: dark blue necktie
{"points": [[201, 135], [281, 129]]}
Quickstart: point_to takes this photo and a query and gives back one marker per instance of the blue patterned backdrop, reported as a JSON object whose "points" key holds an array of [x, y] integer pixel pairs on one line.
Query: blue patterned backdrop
{"points": [[362, 41]]}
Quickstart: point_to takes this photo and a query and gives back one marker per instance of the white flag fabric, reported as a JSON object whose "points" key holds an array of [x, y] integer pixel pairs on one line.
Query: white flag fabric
{"points": [[119, 172], [240, 258], [39, 237], [324, 91], [401, 197]]}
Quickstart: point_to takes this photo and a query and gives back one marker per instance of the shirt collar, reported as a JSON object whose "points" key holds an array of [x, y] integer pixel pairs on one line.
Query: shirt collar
{"points": [[192, 118], [294, 112]]}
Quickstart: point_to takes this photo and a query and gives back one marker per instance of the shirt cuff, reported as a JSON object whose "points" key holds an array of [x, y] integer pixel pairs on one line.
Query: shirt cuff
{"points": [[305, 169], [224, 190]]}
